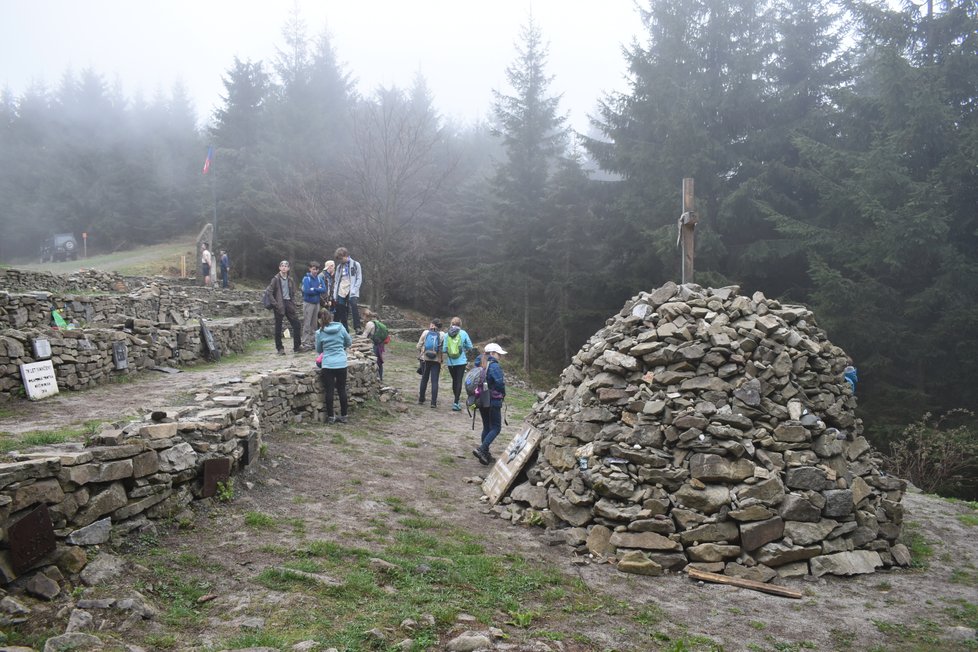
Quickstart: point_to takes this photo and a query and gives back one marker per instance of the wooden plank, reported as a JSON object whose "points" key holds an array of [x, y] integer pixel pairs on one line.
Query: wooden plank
{"points": [[773, 589], [509, 464]]}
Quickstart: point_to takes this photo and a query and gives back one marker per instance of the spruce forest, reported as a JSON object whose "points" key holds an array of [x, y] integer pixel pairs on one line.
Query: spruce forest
{"points": [[834, 147]]}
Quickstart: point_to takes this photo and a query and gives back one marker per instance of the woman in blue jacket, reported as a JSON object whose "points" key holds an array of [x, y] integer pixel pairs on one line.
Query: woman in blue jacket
{"points": [[492, 416], [455, 347], [332, 340]]}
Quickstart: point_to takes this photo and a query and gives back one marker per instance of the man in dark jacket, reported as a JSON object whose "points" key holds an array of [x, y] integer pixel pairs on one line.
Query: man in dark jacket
{"points": [[283, 305]]}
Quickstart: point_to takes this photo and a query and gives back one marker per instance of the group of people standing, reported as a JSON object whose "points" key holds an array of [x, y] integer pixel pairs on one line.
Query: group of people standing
{"points": [[330, 294], [436, 347], [333, 286], [207, 264]]}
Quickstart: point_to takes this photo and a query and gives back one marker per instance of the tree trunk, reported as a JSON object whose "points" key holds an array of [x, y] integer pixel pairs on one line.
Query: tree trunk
{"points": [[526, 326]]}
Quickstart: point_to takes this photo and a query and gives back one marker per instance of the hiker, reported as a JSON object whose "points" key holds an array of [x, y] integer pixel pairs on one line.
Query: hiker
{"points": [[225, 263], [282, 289], [492, 416], [326, 276], [850, 375], [456, 347], [430, 358], [312, 289], [346, 288], [377, 331], [332, 340], [205, 264]]}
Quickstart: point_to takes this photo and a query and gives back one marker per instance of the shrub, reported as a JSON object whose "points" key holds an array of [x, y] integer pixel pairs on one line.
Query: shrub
{"points": [[938, 454]]}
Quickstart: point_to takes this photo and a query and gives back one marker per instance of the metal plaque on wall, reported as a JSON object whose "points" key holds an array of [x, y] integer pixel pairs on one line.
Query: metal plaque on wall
{"points": [[215, 471], [31, 538], [120, 355]]}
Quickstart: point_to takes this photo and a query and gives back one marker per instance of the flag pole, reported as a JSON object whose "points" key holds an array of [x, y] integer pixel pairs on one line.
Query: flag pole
{"points": [[214, 246]]}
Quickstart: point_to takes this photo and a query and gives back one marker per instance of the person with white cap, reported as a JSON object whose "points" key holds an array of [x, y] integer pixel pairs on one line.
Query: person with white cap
{"points": [[492, 415]]}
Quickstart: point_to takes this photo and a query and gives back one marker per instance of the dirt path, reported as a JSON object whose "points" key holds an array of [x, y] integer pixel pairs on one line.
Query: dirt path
{"points": [[356, 485]]}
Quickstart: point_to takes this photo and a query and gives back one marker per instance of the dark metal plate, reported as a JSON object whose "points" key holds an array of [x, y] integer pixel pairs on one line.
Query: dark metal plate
{"points": [[215, 471], [249, 449], [120, 355], [31, 538]]}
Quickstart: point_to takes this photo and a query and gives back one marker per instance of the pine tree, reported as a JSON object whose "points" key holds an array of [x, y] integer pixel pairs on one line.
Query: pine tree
{"points": [[534, 138]]}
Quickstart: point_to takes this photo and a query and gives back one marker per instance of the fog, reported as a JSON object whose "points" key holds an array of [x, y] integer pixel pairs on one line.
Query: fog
{"points": [[461, 48]]}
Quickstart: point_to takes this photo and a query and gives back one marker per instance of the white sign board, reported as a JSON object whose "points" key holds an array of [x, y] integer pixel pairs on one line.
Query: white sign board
{"points": [[510, 463], [39, 379], [42, 349]]}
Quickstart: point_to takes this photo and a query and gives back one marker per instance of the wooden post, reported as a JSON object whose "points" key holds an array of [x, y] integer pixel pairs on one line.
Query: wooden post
{"points": [[687, 226]]}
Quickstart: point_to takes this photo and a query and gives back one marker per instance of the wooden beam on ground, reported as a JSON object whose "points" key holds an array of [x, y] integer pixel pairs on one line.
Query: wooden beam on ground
{"points": [[773, 589]]}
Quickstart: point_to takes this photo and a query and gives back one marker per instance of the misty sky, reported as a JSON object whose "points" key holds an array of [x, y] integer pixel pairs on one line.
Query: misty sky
{"points": [[462, 47]]}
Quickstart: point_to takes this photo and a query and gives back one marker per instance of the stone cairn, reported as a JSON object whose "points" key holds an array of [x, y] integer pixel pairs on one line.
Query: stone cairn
{"points": [[704, 428]]}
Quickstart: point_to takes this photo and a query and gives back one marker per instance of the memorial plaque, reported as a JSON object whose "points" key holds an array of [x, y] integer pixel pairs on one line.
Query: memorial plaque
{"points": [[215, 471], [31, 538], [120, 355], [39, 379], [510, 463], [42, 349]]}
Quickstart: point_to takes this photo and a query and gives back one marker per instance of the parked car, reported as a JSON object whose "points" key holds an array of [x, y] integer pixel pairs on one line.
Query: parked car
{"points": [[59, 247]]}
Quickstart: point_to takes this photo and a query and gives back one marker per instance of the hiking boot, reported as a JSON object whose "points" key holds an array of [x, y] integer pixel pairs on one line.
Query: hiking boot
{"points": [[421, 401], [483, 460], [456, 407], [330, 419], [281, 351], [341, 419], [434, 405]]}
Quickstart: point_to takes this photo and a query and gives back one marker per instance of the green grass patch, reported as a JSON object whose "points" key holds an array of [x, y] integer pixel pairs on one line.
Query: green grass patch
{"points": [[963, 613], [923, 635], [519, 402], [921, 550], [11, 442], [259, 521], [971, 520]]}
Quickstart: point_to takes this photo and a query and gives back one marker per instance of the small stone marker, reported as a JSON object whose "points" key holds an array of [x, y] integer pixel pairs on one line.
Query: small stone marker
{"points": [[42, 349], [31, 538], [510, 463], [249, 450], [120, 355], [39, 379]]}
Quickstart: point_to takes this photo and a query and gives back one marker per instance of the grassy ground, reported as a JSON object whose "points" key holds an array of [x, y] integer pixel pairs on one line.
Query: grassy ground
{"points": [[164, 259]]}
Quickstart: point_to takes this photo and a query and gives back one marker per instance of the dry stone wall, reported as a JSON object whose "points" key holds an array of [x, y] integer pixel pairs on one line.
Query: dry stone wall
{"points": [[705, 427], [83, 358], [124, 478]]}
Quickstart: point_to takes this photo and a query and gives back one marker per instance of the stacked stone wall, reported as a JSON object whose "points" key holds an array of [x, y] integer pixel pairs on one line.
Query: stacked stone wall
{"points": [[83, 358], [153, 302], [126, 477], [708, 428]]}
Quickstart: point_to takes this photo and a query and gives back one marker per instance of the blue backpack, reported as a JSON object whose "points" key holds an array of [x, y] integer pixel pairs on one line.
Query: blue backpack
{"points": [[431, 342]]}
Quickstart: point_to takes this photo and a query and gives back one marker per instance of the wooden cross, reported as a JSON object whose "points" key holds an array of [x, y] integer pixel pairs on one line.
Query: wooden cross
{"points": [[687, 224]]}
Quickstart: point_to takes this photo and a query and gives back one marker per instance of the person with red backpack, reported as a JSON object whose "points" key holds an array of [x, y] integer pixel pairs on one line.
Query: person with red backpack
{"points": [[492, 415], [430, 357]]}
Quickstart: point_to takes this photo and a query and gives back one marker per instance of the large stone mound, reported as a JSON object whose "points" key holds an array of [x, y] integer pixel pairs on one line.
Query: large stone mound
{"points": [[701, 426]]}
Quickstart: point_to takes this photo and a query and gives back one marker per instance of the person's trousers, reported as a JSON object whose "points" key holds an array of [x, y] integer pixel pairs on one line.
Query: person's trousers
{"points": [[429, 370], [492, 424], [224, 278], [458, 377], [293, 322], [342, 312], [379, 352], [356, 313], [310, 320], [334, 380]]}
